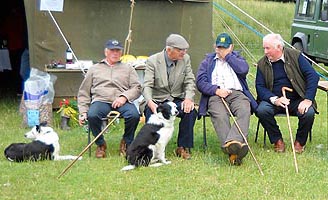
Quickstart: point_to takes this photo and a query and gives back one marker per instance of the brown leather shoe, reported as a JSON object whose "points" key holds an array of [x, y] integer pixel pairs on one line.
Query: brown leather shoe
{"points": [[183, 153], [101, 151], [123, 148], [279, 146], [233, 159], [298, 147]]}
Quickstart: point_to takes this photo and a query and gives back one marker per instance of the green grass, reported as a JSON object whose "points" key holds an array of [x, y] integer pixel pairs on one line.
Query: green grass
{"points": [[206, 176]]}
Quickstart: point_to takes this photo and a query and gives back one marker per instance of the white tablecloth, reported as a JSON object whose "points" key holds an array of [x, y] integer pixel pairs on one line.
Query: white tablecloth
{"points": [[4, 60]]}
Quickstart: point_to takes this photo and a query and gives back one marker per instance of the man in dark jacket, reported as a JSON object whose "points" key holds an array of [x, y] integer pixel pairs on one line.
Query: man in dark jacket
{"points": [[285, 67], [222, 76]]}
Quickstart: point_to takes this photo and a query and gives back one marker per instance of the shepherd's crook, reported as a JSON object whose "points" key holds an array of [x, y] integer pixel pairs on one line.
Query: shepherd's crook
{"points": [[283, 90], [117, 114], [241, 133]]}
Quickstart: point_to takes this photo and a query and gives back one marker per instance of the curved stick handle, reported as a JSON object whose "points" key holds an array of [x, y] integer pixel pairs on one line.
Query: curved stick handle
{"points": [[111, 113], [283, 90]]}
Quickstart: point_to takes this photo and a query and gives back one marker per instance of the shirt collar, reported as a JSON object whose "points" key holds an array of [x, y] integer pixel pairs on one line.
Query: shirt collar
{"points": [[105, 62], [217, 58], [168, 61], [282, 58]]}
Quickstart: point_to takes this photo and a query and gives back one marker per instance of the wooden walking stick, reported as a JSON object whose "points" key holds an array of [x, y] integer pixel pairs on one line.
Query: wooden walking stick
{"points": [[241, 133], [112, 113], [283, 90]]}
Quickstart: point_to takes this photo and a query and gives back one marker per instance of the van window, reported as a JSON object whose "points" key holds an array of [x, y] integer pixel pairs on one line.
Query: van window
{"points": [[306, 9], [324, 10]]}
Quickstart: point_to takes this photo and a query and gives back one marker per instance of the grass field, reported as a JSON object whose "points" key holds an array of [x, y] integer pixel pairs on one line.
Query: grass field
{"points": [[207, 175]]}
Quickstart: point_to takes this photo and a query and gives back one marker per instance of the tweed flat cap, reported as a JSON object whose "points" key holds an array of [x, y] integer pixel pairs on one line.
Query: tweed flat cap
{"points": [[177, 41]]}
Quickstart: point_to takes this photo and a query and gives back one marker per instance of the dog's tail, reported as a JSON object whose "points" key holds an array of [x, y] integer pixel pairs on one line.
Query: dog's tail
{"points": [[128, 167], [66, 157]]}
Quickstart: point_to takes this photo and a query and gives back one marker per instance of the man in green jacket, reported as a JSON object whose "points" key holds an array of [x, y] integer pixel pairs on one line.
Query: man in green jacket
{"points": [[285, 67]]}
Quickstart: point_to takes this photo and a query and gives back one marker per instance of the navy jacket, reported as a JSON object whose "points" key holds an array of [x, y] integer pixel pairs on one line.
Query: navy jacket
{"points": [[204, 79]]}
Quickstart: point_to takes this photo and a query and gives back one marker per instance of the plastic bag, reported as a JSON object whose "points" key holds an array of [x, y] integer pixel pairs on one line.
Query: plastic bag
{"points": [[38, 96]]}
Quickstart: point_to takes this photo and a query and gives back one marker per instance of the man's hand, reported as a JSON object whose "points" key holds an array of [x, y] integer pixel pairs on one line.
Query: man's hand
{"points": [[153, 106], [223, 92], [120, 101], [187, 105], [304, 106], [223, 52], [282, 102], [82, 118]]}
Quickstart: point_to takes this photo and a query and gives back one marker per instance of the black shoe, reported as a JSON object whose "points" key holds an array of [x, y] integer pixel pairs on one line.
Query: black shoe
{"points": [[242, 153], [236, 150], [232, 147]]}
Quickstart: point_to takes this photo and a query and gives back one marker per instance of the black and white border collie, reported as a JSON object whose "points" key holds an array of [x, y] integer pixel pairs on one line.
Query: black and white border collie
{"points": [[44, 146], [148, 148]]}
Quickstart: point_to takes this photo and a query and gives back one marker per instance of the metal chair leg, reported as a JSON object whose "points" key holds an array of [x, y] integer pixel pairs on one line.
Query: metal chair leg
{"points": [[257, 133], [264, 137], [89, 140], [204, 134], [257, 130]]}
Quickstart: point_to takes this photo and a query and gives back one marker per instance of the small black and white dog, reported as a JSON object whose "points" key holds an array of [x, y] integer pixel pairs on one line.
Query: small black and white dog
{"points": [[44, 146], [148, 148]]}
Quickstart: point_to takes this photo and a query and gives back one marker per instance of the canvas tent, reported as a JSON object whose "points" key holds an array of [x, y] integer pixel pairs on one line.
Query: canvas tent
{"points": [[88, 24]]}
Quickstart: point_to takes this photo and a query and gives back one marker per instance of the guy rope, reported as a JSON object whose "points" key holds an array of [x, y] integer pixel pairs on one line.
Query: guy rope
{"points": [[259, 23]]}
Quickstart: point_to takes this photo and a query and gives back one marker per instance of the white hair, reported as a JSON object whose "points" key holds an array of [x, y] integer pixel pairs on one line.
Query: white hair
{"points": [[169, 47], [275, 39]]}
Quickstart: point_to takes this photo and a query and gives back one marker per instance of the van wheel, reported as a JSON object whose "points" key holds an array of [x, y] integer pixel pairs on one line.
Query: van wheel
{"points": [[299, 46]]}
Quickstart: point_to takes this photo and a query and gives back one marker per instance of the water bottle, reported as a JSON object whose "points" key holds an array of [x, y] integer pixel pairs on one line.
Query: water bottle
{"points": [[4, 44], [69, 54]]}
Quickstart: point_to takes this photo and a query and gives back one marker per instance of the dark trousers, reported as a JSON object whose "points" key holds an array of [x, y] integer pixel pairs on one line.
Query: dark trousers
{"points": [[186, 125], [99, 110], [266, 111]]}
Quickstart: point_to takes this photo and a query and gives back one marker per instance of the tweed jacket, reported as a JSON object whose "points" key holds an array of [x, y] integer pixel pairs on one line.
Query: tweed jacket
{"points": [[159, 87]]}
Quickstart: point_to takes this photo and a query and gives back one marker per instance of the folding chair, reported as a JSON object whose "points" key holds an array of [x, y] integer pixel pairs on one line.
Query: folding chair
{"points": [[265, 131], [204, 132]]}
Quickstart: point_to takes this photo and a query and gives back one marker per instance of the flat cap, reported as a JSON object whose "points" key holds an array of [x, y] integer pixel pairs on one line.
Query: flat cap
{"points": [[177, 41]]}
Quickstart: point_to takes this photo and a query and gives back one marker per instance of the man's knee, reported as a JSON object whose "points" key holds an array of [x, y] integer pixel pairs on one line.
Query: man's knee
{"points": [[132, 114], [92, 116], [264, 110], [309, 114]]}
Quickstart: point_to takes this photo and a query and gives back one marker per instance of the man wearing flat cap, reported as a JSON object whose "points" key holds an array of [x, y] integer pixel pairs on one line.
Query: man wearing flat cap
{"points": [[221, 78], [169, 76], [110, 85]]}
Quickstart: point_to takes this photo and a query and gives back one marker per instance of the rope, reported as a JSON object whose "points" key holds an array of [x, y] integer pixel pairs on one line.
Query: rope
{"points": [[128, 39], [237, 39], [216, 5], [313, 62]]}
